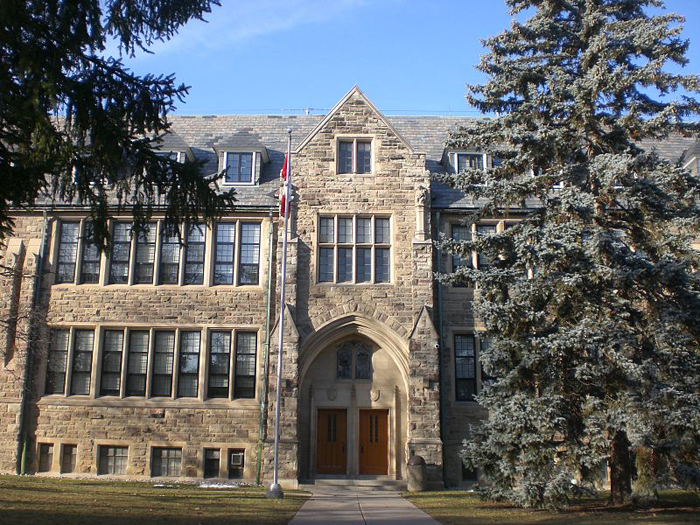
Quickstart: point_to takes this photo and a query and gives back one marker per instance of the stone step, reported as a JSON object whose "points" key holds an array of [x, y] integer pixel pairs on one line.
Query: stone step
{"points": [[370, 483]]}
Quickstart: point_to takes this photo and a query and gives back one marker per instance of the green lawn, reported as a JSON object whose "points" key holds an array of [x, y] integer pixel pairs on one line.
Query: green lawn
{"points": [[464, 508], [50, 501]]}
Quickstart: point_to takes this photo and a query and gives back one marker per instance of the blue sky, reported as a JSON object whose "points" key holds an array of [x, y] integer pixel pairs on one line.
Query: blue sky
{"points": [[282, 56]]}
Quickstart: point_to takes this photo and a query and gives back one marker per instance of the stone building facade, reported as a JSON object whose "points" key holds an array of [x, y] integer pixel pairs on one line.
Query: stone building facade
{"points": [[158, 359]]}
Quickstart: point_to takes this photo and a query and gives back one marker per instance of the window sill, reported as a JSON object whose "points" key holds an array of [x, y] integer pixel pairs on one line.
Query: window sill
{"points": [[327, 283], [150, 403], [234, 184]]}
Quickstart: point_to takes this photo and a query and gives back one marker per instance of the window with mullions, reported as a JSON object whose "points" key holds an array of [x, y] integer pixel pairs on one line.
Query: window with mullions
{"points": [[355, 156], [225, 252], [121, 253], [460, 232], [470, 160], [112, 348], [163, 359], [188, 379], [212, 460], [219, 364], [355, 353], [484, 230], [244, 382], [249, 264], [194, 255], [57, 362], [69, 454], [83, 344], [239, 168], [145, 255], [485, 344], [90, 260], [465, 367], [137, 366], [169, 268], [166, 462], [177, 156], [112, 460], [67, 252], [354, 250], [45, 457]]}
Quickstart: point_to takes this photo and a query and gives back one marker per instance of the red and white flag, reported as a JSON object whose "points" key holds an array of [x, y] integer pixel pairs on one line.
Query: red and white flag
{"points": [[284, 205]]}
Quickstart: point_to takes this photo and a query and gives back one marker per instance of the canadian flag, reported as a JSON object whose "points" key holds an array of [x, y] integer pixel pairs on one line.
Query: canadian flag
{"points": [[284, 205]]}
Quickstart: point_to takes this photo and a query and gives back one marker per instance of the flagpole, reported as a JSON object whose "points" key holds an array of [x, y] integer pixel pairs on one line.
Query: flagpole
{"points": [[275, 491]]}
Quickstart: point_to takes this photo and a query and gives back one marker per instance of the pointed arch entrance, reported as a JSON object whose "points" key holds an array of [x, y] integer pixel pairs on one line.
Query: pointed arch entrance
{"points": [[353, 400]]}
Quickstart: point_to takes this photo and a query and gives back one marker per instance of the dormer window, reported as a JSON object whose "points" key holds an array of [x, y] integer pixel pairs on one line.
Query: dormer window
{"points": [[177, 156], [239, 167], [242, 163], [355, 156], [470, 160]]}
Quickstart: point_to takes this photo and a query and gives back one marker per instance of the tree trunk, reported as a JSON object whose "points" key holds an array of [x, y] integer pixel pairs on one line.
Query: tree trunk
{"points": [[620, 469], [646, 461]]}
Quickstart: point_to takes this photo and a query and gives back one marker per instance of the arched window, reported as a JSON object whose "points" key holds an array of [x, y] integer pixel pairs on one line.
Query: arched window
{"points": [[354, 353]]}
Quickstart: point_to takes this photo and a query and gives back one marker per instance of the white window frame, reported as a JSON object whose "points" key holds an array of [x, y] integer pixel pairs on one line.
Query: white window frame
{"points": [[455, 159], [253, 167]]}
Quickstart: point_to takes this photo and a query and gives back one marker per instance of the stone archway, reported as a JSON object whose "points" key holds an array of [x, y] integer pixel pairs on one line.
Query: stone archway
{"points": [[337, 391]]}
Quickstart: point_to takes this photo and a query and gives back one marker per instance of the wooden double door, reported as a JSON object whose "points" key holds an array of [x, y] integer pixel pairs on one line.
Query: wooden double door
{"points": [[372, 441]]}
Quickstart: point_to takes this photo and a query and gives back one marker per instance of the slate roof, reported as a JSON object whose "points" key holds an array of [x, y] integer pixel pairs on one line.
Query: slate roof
{"points": [[427, 134]]}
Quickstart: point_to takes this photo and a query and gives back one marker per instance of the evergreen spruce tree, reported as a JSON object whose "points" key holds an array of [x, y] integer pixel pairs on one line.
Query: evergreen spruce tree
{"points": [[77, 126], [593, 299]]}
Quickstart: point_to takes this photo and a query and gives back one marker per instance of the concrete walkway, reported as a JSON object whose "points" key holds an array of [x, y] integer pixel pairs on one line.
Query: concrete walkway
{"points": [[357, 505]]}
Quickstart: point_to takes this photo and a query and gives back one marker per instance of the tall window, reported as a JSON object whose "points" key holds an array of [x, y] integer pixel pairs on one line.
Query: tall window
{"points": [[194, 255], [83, 343], [461, 232], [484, 346], [67, 252], [58, 360], [145, 255], [121, 252], [166, 462], [360, 245], [465, 367], [470, 160], [45, 457], [90, 263], [239, 168], [212, 458], [68, 457], [163, 359], [169, 269], [244, 383], [137, 364], [219, 363], [484, 230], [188, 381], [112, 460], [248, 269], [112, 348], [355, 156], [225, 252]]}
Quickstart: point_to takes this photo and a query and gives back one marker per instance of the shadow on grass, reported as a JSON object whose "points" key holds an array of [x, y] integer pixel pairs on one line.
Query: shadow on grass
{"points": [[459, 508]]}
